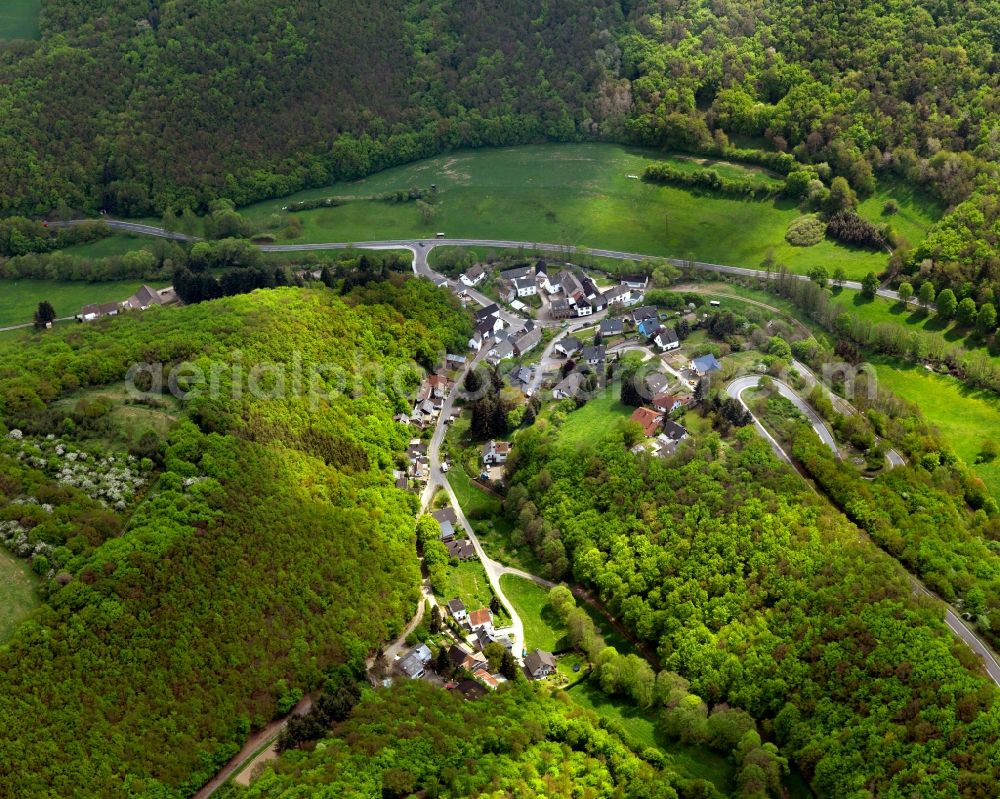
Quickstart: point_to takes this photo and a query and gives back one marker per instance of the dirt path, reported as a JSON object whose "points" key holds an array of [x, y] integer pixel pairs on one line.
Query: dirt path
{"points": [[252, 748]]}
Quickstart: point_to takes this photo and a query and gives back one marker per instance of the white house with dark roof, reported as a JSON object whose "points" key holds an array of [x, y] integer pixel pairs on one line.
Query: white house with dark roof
{"points": [[568, 346], [474, 276], [456, 607], [525, 286], [666, 339]]}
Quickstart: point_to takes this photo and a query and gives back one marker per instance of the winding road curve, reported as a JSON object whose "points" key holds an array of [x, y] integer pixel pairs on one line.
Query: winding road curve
{"points": [[741, 384], [951, 618]]}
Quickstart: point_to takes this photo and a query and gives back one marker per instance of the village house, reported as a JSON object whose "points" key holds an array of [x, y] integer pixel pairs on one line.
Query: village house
{"points": [[518, 273], [649, 420], [527, 341], [525, 287], [483, 638], [612, 327], [568, 387], [542, 278], [144, 298], [414, 665], [461, 550], [496, 452], [665, 339], [674, 431], [706, 364], [668, 403], [501, 351], [643, 313], [593, 356], [474, 276], [480, 619], [539, 664], [635, 281], [561, 309], [521, 378], [447, 531], [456, 362], [648, 327], [491, 315], [457, 609], [568, 346]]}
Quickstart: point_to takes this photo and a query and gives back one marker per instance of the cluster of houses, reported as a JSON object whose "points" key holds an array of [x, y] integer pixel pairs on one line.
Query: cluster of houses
{"points": [[418, 469], [144, 298], [574, 296], [646, 322], [570, 295], [429, 402], [502, 340]]}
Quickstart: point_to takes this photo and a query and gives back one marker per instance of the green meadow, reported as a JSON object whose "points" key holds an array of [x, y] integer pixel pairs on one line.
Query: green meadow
{"points": [[19, 19], [19, 298], [583, 195], [17, 592], [966, 417]]}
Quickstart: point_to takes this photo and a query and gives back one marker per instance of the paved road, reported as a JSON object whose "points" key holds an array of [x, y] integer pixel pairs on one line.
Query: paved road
{"points": [[547, 361], [25, 325], [741, 384], [951, 618], [130, 227], [439, 479], [420, 248]]}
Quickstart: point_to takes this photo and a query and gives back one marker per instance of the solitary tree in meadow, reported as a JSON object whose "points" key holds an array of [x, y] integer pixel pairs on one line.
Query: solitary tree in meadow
{"points": [[45, 315], [905, 292]]}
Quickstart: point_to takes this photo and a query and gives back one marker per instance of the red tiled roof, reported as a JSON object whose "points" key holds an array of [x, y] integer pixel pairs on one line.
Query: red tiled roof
{"points": [[479, 617], [649, 419]]}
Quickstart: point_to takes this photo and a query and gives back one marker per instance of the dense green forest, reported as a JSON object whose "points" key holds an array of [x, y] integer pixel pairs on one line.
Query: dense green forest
{"points": [[230, 578], [252, 105], [417, 739], [764, 597]]}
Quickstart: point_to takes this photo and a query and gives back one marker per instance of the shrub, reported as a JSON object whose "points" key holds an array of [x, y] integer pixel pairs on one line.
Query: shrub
{"points": [[805, 231]]}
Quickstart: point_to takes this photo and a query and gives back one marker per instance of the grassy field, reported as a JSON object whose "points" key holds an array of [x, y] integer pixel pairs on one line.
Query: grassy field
{"points": [[590, 422], [964, 416], [129, 419], [19, 19], [109, 246], [468, 582], [640, 726], [542, 626], [20, 298], [582, 195], [17, 592], [881, 310]]}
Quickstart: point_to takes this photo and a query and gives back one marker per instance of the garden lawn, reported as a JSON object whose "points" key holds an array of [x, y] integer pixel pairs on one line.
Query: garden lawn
{"points": [[19, 298], [468, 582], [17, 592], [19, 19], [578, 195], [590, 422], [543, 629], [476, 502], [639, 727], [964, 416]]}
